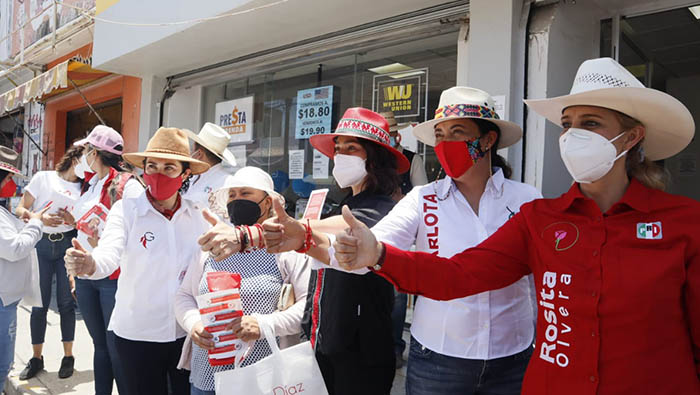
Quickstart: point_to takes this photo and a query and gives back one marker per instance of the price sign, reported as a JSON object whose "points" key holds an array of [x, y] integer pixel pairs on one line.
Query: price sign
{"points": [[314, 109]]}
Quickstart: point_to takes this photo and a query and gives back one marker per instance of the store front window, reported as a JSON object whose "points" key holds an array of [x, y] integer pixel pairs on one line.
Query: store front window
{"points": [[661, 49], [288, 106]]}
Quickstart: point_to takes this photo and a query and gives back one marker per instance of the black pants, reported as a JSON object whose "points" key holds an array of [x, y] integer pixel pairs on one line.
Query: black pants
{"points": [[348, 373], [148, 367]]}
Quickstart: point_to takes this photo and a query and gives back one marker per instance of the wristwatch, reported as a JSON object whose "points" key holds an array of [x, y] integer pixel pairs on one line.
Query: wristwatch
{"points": [[377, 266]]}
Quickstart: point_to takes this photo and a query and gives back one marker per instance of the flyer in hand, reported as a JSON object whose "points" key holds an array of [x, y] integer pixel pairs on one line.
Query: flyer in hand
{"points": [[93, 222], [218, 307]]}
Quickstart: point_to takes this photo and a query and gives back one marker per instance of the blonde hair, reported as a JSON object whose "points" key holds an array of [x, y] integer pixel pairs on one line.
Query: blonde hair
{"points": [[638, 166]]}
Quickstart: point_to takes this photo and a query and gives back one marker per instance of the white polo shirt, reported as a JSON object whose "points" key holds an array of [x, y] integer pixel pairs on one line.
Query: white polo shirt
{"points": [[153, 253], [438, 219]]}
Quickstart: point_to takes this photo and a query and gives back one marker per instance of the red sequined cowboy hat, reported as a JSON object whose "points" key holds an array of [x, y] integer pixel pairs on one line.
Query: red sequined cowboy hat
{"points": [[364, 124]]}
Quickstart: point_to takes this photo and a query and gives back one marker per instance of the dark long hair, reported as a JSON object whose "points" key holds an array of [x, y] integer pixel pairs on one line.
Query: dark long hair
{"points": [[382, 175], [72, 154], [496, 160], [111, 160]]}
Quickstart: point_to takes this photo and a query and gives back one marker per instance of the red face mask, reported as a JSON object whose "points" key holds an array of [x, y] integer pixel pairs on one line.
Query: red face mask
{"points": [[456, 157], [161, 186], [9, 189]]}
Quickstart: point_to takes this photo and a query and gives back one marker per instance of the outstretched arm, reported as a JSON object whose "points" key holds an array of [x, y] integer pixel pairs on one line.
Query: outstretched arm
{"points": [[497, 262]]}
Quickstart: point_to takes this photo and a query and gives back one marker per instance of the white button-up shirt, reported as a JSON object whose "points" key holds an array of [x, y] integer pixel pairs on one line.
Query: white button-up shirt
{"points": [[153, 253], [203, 186], [438, 219]]}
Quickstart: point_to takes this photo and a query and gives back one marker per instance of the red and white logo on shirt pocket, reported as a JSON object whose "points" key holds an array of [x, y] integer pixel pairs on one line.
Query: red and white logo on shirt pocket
{"points": [[649, 230]]}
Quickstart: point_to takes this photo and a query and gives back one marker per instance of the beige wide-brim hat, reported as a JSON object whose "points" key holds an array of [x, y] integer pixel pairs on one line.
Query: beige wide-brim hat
{"points": [[215, 139], [461, 102], [10, 161], [168, 143], [391, 120], [605, 83]]}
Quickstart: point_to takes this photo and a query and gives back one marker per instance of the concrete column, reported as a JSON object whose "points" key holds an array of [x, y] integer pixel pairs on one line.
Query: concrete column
{"points": [[561, 36], [151, 94], [496, 59]]}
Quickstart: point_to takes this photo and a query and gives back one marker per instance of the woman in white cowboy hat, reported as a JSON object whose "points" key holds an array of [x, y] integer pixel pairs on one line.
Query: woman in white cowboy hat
{"points": [[211, 147], [152, 238], [247, 197], [453, 342], [19, 270], [616, 260]]}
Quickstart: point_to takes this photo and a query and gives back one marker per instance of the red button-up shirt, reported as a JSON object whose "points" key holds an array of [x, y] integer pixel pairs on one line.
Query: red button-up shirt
{"points": [[618, 292]]}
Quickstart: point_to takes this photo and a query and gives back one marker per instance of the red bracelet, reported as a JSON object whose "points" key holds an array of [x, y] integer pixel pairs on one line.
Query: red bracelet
{"points": [[250, 235], [308, 239], [262, 238]]}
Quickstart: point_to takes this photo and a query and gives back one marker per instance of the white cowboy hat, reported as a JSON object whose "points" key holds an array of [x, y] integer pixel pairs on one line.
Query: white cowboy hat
{"points": [[605, 83], [216, 140], [461, 102]]}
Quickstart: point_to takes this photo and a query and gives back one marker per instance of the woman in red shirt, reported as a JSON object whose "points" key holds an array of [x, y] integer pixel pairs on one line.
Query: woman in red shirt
{"points": [[616, 260]]}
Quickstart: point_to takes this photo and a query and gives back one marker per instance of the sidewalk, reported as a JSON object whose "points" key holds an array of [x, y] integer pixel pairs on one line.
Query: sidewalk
{"points": [[47, 382]]}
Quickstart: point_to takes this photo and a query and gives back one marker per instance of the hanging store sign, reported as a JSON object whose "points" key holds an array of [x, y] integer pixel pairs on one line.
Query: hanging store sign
{"points": [[236, 117], [400, 95], [314, 111]]}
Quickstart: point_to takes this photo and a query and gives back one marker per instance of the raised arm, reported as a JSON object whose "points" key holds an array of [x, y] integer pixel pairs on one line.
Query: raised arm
{"points": [[495, 263]]}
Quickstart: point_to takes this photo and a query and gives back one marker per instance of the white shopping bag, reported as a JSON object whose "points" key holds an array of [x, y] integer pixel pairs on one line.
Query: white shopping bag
{"points": [[286, 372]]}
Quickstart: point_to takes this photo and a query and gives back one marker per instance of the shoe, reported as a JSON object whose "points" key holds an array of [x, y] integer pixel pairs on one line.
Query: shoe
{"points": [[34, 366], [66, 369]]}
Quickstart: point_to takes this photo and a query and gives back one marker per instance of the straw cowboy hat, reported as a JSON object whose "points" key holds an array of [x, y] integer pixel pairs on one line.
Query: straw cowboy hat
{"points": [[215, 139], [9, 161], [461, 102], [168, 143], [363, 124], [391, 120], [605, 83]]}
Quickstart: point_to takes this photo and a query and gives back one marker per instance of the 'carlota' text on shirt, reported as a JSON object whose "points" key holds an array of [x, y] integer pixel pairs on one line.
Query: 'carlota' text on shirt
{"points": [[431, 220], [554, 346]]}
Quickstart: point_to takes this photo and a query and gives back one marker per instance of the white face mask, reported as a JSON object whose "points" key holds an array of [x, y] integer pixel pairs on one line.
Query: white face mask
{"points": [[588, 156], [349, 170], [82, 167]]}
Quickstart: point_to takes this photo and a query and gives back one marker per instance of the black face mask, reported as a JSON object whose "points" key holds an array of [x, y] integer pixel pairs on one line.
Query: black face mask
{"points": [[244, 212]]}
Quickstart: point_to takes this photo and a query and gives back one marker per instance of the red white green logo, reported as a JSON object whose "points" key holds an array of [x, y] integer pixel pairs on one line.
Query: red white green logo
{"points": [[649, 230]]}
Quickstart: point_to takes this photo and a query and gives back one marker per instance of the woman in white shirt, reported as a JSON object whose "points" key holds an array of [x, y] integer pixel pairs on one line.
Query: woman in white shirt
{"points": [[18, 267], [105, 181], [61, 188], [481, 343], [247, 197], [152, 238]]}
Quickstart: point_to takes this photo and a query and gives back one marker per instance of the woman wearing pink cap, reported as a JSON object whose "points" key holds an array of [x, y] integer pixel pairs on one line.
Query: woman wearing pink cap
{"points": [[106, 181]]}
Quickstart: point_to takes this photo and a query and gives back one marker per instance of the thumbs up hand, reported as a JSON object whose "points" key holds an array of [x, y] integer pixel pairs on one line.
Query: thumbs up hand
{"points": [[282, 232], [221, 241], [78, 261], [356, 247]]}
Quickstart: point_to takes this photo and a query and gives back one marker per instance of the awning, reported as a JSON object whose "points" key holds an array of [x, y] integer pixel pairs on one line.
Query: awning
{"points": [[50, 83]]}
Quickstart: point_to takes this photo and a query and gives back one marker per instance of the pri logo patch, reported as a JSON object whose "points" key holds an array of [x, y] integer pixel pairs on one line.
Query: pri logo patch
{"points": [[146, 238], [649, 230]]}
